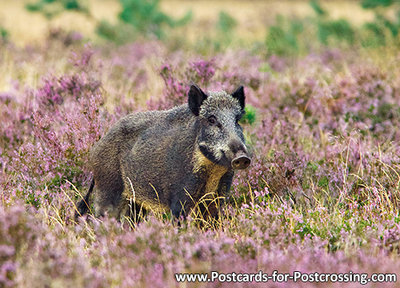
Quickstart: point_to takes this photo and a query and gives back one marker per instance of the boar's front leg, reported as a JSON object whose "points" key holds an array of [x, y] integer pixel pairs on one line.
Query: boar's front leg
{"points": [[183, 196], [211, 207], [225, 184], [107, 196], [179, 207], [181, 203]]}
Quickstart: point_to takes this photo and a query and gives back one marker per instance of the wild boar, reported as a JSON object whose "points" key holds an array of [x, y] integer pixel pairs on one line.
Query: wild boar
{"points": [[172, 159]]}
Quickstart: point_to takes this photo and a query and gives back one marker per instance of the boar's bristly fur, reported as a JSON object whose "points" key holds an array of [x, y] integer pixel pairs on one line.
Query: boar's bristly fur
{"points": [[170, 160]]}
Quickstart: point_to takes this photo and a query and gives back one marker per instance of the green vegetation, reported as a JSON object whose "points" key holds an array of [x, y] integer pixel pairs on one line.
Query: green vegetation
{"points": [[137, 17], [295, 36], [250, 115], [288, 36], [51, 8], [226, 23], [3, 34], [283, 37], [143, 17]]}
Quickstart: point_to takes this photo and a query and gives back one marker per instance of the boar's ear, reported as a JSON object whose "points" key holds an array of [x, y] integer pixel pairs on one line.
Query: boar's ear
{"points": [[239, 95], [196, 98]]}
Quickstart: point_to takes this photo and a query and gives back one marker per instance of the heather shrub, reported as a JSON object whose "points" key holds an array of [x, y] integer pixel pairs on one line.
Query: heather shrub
{"points": [[175, 91], [65, 121], [18, 231], [66, 38]]}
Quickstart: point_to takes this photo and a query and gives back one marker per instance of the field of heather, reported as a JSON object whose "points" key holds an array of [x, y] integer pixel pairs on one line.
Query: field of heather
{"points": [[322, 194]]}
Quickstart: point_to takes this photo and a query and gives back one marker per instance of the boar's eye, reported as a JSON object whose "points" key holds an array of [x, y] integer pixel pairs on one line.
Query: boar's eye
{"points": [[212, 120]]}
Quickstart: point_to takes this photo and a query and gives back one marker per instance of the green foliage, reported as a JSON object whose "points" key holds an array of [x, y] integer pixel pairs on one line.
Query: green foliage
{"points": [[283, 38], [226, 23], [39, 5], [250, 115], [3, 34], [379, 114], [338, 30], [292, 36], [323, 182], [370, 4], [375, 34], [72, 5], [332, 31], [317, 8], [221, 37], [137, 17], [50, 8], [210, 44], [382, 30], [119, 34], [146, 17], [391, 26]]}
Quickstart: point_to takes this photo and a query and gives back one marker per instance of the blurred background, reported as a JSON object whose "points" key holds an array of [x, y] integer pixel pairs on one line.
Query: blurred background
{"points": [[272, 27]]}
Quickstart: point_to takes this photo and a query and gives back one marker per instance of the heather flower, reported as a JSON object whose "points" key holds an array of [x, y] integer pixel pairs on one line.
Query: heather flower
{"points": [[201, 71]]}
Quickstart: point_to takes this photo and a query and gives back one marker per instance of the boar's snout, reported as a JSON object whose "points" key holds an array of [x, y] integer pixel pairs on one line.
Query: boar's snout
{"points": [[240, 157], [241, 161]]}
